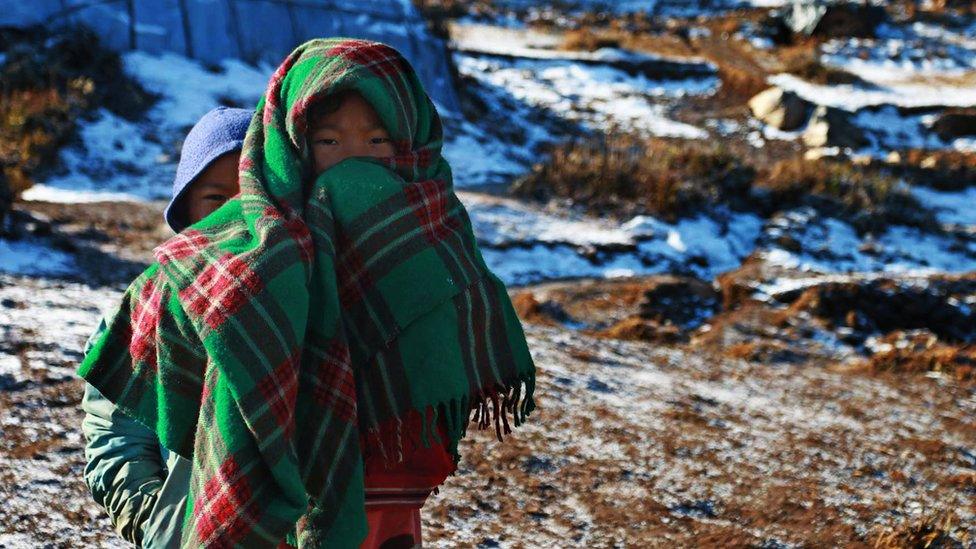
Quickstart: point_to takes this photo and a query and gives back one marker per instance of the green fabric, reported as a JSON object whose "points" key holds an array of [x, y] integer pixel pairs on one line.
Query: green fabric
{"points": [[271, 340]]}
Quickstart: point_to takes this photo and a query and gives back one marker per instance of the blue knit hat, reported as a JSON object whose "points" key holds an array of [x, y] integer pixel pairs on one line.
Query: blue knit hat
{"points": [[220, 131]]}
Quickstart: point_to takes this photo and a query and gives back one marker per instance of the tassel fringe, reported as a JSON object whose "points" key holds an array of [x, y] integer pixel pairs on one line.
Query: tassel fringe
{"points": [[490, 409]]}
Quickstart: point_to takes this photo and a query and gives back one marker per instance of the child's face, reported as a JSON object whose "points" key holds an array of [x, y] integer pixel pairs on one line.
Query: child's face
{"points": [[354, 129], [214, 186]]}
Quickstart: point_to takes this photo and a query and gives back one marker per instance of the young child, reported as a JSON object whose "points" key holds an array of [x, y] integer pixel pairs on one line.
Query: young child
{"points": [[317, 344], [343, 126], [141, 484]]}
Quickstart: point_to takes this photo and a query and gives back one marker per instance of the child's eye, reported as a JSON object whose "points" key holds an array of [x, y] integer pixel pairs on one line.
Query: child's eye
{"points": [[325, 141], [380, 140], [215, 197]]}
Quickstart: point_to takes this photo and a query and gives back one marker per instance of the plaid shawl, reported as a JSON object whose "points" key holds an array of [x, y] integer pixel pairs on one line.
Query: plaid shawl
{"points": [[270, 339]]}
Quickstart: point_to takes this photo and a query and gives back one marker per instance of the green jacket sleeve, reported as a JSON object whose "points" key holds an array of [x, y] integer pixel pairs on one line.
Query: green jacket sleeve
{"points": [[124, 469]]}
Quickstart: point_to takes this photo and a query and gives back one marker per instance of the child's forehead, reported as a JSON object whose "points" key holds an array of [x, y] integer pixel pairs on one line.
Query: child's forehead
{"points": [[350, 111]]}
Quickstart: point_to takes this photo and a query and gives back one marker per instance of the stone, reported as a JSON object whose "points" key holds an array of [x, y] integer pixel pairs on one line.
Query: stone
{"points": [[780, 109], [819, 153], [955, 123], [831, 127], [833, 19]]}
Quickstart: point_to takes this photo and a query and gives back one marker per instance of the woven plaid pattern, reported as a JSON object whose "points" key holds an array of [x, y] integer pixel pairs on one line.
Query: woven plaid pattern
{"points": [[270, 340]]}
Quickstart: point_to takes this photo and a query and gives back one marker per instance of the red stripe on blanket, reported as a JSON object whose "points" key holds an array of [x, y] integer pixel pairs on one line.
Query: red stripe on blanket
{"points": [[181, 246], [335, 385], [297, 228], [144, 319], [379, 58], [353, 277], [279, 389], [221, 289], [224, 512], [429, 202]]}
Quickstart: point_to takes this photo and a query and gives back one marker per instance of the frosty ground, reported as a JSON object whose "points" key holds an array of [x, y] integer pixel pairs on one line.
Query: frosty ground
{"points": [[633, 444], [763, 417]]}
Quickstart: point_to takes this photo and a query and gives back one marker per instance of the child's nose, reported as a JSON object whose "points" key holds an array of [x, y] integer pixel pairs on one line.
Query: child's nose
{"points": [[359, 149]]}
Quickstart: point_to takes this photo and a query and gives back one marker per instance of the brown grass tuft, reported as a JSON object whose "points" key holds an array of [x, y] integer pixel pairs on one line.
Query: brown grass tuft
{"points": [[529, 309], [935, 529], [804, 63], [626, 175], [945, 170], [919, 352], [870, 198], [47, 81], [635, 328], [741, 75], [586, 39]]}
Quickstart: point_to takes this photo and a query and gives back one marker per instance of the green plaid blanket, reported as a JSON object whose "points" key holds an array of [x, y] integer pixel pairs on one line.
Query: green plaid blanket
{"points": [[270, 340]]}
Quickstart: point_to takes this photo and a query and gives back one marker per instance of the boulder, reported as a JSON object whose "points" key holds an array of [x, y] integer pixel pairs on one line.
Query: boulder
{"points": [[831, 127], [833, 19], [954, 123], [820, 153], [783, 110]]}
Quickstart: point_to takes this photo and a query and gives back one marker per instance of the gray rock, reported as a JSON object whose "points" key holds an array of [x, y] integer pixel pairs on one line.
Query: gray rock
{"points": [[831, 127], [780, 109], [833, 18]]}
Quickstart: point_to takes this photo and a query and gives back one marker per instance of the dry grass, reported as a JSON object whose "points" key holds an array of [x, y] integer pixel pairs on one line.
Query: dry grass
{"points": [[935, 529], [587, 40], [869, 198], [741, 74], [623, 175], [919, 352], [530, 309], [33, 124], [47, 80], [888, 304], [636, 328], [945, 170], [628, 175], [805, 63]]}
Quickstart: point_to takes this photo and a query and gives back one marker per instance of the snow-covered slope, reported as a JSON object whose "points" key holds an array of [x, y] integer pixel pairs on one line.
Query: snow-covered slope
{"points": [[254, 31], [121, 159]]}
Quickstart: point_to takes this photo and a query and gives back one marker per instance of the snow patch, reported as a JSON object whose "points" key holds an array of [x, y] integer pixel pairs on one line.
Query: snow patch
{"points": [[953, 207], [599, 97], [852, 98], [29, 257]]}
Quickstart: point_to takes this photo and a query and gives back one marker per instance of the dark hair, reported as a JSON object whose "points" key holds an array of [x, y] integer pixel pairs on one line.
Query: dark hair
{"points": [[328, 105]]}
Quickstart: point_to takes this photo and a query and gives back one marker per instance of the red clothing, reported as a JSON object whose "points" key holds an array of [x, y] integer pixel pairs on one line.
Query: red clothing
{"points": [[395, 492]]}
